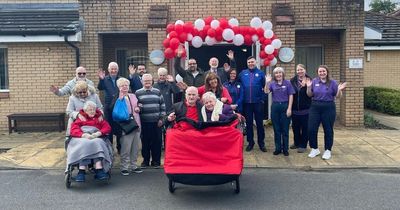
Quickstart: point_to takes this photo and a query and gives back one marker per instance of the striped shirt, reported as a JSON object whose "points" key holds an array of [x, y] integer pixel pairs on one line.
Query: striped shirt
{"points": [[153, 106]]}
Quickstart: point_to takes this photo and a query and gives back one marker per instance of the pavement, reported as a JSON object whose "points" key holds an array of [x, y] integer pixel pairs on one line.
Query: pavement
{"points": [[353, 148]]}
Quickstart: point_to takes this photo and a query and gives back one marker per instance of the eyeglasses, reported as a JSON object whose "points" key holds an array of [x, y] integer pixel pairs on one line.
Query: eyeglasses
{"points": [[82, 92], [81, 73], [192, 63]]}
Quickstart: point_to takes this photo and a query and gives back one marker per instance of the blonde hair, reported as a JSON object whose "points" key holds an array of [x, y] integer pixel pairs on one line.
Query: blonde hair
{"points": [[122, 81], [79, 86]]}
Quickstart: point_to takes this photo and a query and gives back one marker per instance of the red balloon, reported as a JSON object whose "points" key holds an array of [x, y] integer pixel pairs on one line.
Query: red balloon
{"points": [[188, 27], [247, 40], [182, 37], [166, 43], [218, 31], [266, 62], [263, 54], [223, 23], [208, 20], [195, 32], [236, 29], [173, 34], [252, 31], [273, 37], [271, 56], [260, 32], [211, 32], [243, 30], [170, 27], [276, 52], [219, 38], [261, 39], [174, 43], [169, 53], [179, 29], [267, 41]]}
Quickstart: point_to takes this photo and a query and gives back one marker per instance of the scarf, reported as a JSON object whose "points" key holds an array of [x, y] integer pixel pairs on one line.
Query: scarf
{"points": [[215, 113]]}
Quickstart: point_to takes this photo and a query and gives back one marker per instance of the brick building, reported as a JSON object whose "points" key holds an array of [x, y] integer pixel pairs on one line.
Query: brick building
{"points": [[320, 32]]}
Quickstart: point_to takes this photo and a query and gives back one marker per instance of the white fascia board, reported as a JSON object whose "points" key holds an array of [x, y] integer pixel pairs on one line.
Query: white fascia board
{"points": [[381, 47], [370, 33], [41, 38]]}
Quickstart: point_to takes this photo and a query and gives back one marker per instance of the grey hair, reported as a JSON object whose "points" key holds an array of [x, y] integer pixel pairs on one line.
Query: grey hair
{"points": [[208, 95], [278, 69], [147, 75], [113, 64], [122, 80], [89, 104], [162, 71]]}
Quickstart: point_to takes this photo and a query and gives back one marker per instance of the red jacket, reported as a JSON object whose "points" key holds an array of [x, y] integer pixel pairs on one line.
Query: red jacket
{"points": [[224, 94], [103, 125]]}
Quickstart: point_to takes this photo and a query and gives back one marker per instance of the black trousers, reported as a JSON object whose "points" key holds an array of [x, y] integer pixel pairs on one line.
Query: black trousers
{"points": [[325, 113], [151, 142], [300, 130]]}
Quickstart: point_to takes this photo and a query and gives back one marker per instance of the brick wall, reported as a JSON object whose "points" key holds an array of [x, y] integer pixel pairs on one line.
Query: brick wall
{"points": [[383, 69], [32, 69]]}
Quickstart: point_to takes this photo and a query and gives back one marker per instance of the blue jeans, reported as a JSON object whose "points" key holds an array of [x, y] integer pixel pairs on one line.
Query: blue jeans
{"points": [[256, 110], [280, 123], [325, 113]]}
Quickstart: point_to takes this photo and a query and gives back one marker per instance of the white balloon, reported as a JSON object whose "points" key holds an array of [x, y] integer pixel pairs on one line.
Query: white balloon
{"points": [[273, 62], [233, 22], [256, 22], [178, 78], [179, 22], [214, 24], [210, 41], [199, 24], [267, 25], [268, 34], [197, 41], [276, 43], [254, 38], [228, 34], [189, 37], [238, 40], [269, 49]]}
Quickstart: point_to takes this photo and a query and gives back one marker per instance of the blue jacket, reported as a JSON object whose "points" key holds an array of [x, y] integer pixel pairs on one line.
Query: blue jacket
{"points": [[253, 82], [235, 89]]}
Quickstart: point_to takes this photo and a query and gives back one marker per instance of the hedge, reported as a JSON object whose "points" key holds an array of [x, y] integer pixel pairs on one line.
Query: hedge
{"points": [[382, 100]]}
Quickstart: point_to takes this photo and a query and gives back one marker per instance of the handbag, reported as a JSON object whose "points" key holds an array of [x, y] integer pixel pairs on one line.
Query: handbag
{"points": [[130, 124]]}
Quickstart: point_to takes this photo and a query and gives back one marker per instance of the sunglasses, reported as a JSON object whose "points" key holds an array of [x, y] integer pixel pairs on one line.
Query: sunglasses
{"points": [[192, 63], [81, 73], [82, 92]]}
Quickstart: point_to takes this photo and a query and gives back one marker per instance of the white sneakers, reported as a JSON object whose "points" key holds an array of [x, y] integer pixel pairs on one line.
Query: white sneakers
{"points": [[327, 155], [313, 153]]}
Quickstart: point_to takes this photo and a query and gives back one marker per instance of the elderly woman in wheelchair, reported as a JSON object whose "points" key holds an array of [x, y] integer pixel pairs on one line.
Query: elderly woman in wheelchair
{"points": [[88, 144]]}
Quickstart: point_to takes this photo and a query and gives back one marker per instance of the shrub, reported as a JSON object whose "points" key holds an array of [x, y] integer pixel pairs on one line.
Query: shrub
{"points": [[382, 99], [369, 121]]}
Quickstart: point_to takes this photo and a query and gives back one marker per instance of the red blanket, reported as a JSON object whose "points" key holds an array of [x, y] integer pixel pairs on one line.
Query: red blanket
{"points": [[213, 150]]}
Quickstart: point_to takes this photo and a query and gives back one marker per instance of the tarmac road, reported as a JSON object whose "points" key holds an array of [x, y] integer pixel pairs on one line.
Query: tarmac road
{"points": [[260, 189]]}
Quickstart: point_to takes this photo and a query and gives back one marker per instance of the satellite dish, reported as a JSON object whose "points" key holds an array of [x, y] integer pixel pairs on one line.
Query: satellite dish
{"points": [[286, 54]]}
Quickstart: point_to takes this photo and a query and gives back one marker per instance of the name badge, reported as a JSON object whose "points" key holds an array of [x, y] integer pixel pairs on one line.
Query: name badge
{"points": [[317, 85], [256, 74], [238, 86]]}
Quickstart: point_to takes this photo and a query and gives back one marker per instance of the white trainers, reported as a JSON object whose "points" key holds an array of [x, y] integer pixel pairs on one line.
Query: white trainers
{"points": [[327, 155], [313, 153]]}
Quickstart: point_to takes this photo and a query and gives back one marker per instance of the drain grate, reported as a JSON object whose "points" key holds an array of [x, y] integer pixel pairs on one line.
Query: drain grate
{"points": [[3, 150]]}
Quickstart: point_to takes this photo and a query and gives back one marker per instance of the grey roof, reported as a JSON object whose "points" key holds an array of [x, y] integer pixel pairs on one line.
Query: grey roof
{"points": [[389, 27], [39, 19]]}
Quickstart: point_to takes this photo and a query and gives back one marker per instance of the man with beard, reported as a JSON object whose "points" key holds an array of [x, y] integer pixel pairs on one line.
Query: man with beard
{"points": [[136, 77], [80, 75], [193, 76]]}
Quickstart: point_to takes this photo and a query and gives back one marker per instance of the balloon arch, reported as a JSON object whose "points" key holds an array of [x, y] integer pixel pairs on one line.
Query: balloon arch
{"points": [[211, 31]]}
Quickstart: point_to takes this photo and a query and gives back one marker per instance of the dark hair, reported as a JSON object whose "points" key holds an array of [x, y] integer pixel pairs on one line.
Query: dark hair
{"points": [[211, 76], [328, 80], [251, 57]]}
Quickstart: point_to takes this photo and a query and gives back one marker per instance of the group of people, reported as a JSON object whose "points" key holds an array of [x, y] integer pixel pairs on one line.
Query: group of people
{"points": [[217, 94]]}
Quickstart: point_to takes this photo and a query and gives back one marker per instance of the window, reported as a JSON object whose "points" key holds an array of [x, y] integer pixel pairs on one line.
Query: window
{"points": [[125, 57], [3, 69]]}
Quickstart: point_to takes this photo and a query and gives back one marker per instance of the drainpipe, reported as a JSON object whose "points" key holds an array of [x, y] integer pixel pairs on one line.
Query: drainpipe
{"points": [[77, 54]]}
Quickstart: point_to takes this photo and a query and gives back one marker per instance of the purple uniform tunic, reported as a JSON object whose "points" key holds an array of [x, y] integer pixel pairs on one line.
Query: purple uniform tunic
{"points": [[321, 92], [281, 93]]}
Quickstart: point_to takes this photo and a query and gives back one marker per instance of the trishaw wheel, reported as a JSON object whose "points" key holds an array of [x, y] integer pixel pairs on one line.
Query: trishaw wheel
{"points": [[171, 186]]}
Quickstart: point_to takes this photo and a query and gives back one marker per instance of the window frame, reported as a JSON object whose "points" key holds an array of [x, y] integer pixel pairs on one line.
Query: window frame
{"points": [[7, 82]]}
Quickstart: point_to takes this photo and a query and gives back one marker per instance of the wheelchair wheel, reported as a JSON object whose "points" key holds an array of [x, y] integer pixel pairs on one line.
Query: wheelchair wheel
{"points": [[68, 180], [171, 186], [237, 185]]}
